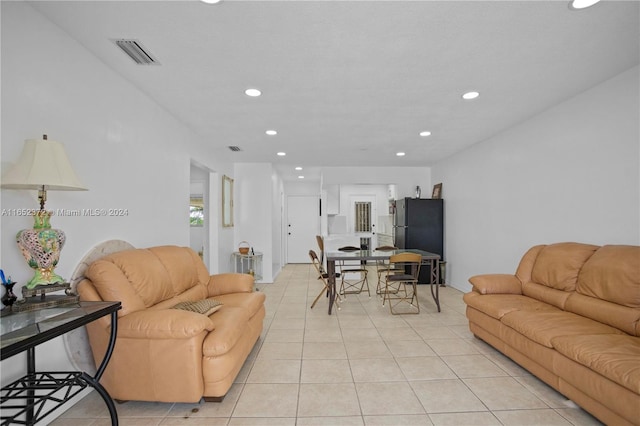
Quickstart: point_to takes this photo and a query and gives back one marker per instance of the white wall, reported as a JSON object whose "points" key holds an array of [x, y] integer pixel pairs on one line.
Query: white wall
{"points": [[253, 211], [277, 227], [570, 173], [127, 150], [301, 187]]}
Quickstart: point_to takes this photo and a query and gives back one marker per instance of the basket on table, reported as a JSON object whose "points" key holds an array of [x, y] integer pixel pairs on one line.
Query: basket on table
{"points": [[244, 247]]}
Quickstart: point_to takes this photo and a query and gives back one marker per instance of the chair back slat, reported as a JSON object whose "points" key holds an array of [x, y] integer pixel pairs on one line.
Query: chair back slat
{"points": [[409, 262]]}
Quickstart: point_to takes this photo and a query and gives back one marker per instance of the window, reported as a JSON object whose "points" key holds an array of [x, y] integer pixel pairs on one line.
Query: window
{"points": [[362, 216], [196, 211]]}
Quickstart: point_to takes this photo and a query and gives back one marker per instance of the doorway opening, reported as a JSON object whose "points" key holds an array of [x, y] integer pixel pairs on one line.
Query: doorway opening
{"points": [[202, 218]]}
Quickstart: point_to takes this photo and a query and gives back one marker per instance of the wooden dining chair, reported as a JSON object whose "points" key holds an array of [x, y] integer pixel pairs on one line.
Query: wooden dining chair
{"points": [[403, 287], [320, 242], [384, 267], [353, 285], [323, 268], [323, 277]]}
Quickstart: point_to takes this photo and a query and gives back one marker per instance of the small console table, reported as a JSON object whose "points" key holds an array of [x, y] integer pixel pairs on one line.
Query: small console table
{"points": [[250, 263], [34, 396]]}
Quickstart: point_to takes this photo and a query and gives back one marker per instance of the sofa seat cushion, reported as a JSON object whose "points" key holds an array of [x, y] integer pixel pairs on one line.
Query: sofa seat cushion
{"points": [[616, 357], [498, 305], [229, 324], [251, 302], [542, 327]]}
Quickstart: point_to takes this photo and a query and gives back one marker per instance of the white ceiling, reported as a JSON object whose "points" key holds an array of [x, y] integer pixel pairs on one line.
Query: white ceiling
{"points": [[350, 83]]}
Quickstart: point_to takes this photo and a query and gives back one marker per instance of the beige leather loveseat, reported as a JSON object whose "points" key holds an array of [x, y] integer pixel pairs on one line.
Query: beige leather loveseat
{"points": [[571, 316], [167, 354]]}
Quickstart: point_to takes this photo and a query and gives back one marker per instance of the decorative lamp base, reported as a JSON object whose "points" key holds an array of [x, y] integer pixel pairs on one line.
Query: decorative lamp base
{"points": [[44, 277], [41, 248]]}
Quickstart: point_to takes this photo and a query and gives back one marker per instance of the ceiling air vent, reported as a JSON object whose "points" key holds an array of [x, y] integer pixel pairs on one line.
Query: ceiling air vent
{"points": [[235, 148], [136, 51]]}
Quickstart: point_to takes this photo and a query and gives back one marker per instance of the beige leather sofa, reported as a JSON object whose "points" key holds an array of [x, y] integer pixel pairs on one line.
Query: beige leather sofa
{"points": [[165, 354], [571, 316]]}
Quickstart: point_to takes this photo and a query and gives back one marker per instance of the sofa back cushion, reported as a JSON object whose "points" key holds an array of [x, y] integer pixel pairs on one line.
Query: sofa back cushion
{"points": [[557, 298], [523, 273], [618, 316], [558, 265], [183, 265], [612, 274], [141, 278]]}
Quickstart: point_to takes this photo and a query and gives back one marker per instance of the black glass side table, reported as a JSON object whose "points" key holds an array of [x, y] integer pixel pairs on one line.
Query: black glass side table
{"points": [[34, 396]]}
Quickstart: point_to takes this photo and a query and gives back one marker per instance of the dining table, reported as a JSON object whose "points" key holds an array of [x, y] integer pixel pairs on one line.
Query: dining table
{"points": [[428, 259]]}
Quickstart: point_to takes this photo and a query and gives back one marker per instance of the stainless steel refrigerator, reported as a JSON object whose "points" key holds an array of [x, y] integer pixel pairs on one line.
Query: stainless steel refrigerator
{"points": [[419, 224]]}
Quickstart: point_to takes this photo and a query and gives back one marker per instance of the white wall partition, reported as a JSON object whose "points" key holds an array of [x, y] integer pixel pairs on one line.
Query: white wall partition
{"points": [[570, 173], [253, 201]]}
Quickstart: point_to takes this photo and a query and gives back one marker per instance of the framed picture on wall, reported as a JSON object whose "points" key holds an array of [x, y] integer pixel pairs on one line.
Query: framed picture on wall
{"points": [[227, 202], [437, 191]]}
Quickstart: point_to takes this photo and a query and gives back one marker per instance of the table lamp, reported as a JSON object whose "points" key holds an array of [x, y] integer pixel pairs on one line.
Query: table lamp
{"points": [[44, 166]]}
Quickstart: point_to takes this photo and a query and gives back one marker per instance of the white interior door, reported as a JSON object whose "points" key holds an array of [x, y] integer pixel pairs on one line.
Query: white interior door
{"points": [[303, 224]]}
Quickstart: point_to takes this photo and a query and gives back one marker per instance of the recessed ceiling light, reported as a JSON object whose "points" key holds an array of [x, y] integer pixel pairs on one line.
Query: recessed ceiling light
{"points": [[300, 177], [298, 168], [400, 154], [271, 132], [581, 4], [282, 154], [252, 92], [210, 1], [470, 95], [425, 133]]}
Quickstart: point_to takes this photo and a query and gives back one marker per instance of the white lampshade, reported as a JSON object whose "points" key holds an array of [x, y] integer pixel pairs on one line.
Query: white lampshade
{"points": [[42, 163]]}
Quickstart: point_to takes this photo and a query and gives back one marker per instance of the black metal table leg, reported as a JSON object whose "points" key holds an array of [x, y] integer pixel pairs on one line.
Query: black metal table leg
{"points": [[31, 370], [95, 380], [435, 281], [91, 381]]}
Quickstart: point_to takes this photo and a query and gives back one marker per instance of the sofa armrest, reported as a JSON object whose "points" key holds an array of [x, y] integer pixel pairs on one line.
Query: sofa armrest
{"points": [[496, 284], [163, 324], [229, 283]]}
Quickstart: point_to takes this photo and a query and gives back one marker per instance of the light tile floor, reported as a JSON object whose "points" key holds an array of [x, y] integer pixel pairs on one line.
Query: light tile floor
{"points": [[360, 366]]}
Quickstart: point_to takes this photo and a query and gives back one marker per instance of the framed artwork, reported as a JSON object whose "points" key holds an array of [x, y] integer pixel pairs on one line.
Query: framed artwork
{"points": [[437, 191], [227, 202]]}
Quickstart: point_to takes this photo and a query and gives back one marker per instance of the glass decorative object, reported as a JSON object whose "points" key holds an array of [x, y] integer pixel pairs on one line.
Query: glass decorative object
{"points": [[9, 297]]}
